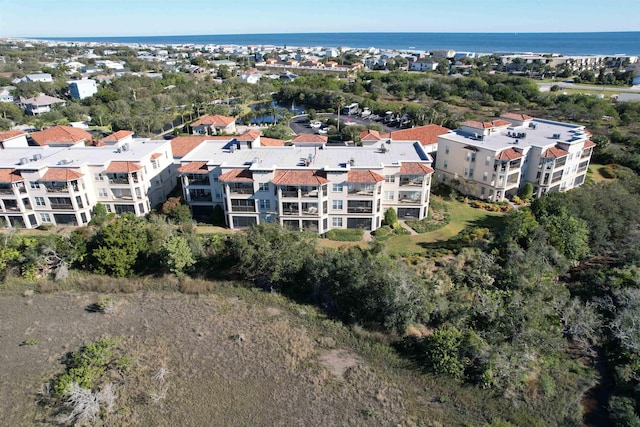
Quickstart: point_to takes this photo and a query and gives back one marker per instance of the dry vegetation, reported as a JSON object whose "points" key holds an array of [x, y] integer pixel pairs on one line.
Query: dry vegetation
{"points": [[235, 356]]}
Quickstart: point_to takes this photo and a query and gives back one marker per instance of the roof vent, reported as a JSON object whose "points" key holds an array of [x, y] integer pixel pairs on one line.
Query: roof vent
{"points": [[556, 136], [517, 142], [37, 156], [24, 160], [352, 161], [64, 162], [125, 147]]}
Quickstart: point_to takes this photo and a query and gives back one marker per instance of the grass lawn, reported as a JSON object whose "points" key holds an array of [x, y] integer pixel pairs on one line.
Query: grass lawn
{"points": [[595, 173], [462, 216], [326, 243], [206, 229]]}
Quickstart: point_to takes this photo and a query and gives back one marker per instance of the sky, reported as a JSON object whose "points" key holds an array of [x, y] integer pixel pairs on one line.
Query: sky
{"points": [[87, 18]]}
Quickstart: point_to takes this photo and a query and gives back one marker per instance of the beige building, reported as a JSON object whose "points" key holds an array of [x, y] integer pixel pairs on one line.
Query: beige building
{"points": [[61, 186], [493, 160], [316, 188]]}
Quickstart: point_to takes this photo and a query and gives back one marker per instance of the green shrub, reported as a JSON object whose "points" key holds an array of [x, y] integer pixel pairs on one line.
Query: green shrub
{"points": [[438, 217], [46, 226], [345, 234], [85, 366]]}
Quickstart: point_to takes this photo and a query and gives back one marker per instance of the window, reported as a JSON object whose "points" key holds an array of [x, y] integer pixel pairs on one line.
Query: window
{"points": [[39, 201], [98, 177], [445, 165], [337, 188], [471, 173], [34, 185], [485, 176], [102, 192], [336, 204], [446, 150], [488, 161], [265, 205], [482, 191], [336, 222], [473, 157], [390, 178], [388, 195], [466, 172], [155, 164], [45, 217], [218, 194], [263, 186], [108, 208]]}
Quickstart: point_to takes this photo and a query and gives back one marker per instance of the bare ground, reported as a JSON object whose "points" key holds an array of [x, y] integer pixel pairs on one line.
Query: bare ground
{"points": [[228, 361]]}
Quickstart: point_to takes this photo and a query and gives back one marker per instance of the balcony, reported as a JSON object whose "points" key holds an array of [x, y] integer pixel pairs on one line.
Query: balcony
{"points": [[6, 191], [290, 212], [60, 206], [357, 191], [411, 182], [290, 193], [242, 206], [202, 198], [243, 209], [310, 209], [203, 181], [411, 200], [360, 208]]}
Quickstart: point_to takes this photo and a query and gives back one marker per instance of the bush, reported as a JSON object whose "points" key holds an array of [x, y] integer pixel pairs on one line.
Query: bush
{"points": [[345, 234], [527, 191], [46, 226], [391, 218]]}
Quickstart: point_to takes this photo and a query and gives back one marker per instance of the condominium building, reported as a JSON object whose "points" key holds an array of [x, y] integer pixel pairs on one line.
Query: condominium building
{"points": [[493, 160], [62, 185], [316, 188]]}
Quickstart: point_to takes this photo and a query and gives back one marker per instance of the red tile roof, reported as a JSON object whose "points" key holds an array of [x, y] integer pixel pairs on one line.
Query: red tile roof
{"points": [[364, 176], [554, 152], [182, 145], [10, 175], [250, 135], [156, 155], [370, 135], [427, 135], [309, 137], [194, 167], [60, 135], [299, 177], [61, 175], [215, 120], [237, 175], [123, 167], [516, 116], [509, 154], [271, 142], [589, 143], [486, 125], [117, 136], [10, 134], [414, 168]]}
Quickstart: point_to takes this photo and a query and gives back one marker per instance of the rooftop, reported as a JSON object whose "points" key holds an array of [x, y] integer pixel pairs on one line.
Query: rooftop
{"points": [[269, 158], [60, 135], [539, 133]]}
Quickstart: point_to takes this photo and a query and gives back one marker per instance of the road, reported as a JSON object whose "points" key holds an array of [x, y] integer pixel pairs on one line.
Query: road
{"points": [[300, 126], [546, 87]]}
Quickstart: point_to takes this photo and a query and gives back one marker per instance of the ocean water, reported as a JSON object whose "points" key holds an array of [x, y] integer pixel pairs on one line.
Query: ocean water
{"points": [[603, 43]]}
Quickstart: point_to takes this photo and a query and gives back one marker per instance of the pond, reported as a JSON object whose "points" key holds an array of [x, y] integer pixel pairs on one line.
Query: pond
{"points": [[270, 112]]}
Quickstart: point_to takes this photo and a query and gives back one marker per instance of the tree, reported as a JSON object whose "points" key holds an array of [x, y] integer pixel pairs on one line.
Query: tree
{"points": [[391, 218], [176, 255], [278, 132], [176, 210], [527, 191], [117, 246], [100, 215], [443, 352]]}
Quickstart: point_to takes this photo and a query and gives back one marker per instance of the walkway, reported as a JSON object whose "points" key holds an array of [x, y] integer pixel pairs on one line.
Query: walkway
{"points": [[406, 227]]}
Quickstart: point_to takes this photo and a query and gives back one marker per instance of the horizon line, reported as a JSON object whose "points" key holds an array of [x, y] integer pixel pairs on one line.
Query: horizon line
{"points": [[312, 33]]}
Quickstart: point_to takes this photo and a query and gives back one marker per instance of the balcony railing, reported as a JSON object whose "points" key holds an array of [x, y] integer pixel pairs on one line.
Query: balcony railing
{"points": [[411, 200], [288, 193], [360, 192], [360, 210], [411, 182], [6, 190], [55, 189], [202, 198], [241, 190], [243, 208], [64, 207], [199, 181]]}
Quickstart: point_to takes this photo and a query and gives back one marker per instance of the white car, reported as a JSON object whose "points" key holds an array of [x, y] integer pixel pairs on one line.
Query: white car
{"points": [[316, 125]]}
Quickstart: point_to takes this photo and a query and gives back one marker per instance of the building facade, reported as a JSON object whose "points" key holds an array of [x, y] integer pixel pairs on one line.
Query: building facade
{"points": [[312, 188], [61, 186], [494, 160]]}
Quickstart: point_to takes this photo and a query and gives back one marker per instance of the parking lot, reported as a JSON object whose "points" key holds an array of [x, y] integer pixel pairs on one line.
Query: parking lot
{"points": [[300, 124]]}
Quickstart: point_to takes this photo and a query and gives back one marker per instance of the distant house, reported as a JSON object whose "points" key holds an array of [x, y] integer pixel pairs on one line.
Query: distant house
{"points": [[40, 77], [40, 104], [61, 136], [252, 76], [13, 139], [213, 125], [5, 93], [423, 66], [81, 89]]}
